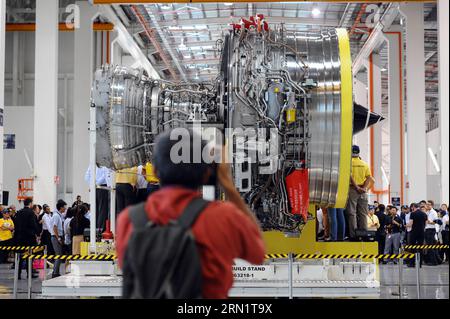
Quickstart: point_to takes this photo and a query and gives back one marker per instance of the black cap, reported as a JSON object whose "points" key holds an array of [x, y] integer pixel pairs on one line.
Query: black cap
{"points": [[405, 206], [355, 150]]}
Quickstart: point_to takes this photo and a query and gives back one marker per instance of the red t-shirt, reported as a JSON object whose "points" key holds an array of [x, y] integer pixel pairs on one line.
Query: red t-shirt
{"points": [[222, 233]]}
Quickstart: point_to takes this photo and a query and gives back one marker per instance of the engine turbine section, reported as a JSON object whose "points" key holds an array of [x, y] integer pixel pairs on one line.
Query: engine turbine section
{"points": [[286, 98]]}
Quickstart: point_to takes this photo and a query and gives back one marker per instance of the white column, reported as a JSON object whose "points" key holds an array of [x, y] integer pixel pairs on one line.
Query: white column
{"points": [[2, 86], [415, 99], [395, 117], [115, 49], [83, 72], [443, 12], [362, 138], [376, 154], [46, 102]]}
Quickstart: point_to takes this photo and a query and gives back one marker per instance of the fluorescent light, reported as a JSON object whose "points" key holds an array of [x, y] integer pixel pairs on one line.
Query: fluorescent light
{"points": [[228, 4], [166, 7], [434, 160], [383, 70], [386, 179], [315, 12]]}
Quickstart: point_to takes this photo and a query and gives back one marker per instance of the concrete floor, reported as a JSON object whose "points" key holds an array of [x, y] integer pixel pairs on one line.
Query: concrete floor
{"points": [[434, 282]]}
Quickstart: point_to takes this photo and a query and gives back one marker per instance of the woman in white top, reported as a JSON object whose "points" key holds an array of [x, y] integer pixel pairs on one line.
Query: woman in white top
{"points": [[67, 247]]}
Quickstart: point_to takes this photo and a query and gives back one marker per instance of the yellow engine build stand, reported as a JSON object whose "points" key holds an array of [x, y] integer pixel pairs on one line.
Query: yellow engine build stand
{"points": [[277, 243]]}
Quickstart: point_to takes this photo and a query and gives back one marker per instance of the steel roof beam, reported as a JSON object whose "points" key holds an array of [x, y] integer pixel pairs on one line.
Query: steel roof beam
{"points": [[226, 21], [241, 1], [164, 41], [126, 41]]}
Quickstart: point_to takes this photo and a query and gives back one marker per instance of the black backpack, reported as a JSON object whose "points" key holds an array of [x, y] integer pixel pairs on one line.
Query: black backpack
{"points": [[162, 261]]}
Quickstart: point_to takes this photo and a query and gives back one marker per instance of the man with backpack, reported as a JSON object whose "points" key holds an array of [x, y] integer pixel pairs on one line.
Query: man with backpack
{"points": [[158, 256]]}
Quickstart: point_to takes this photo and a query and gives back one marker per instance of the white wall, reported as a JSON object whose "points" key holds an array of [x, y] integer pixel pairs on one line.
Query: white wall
{"points": [[26, 56], [19, 121]]}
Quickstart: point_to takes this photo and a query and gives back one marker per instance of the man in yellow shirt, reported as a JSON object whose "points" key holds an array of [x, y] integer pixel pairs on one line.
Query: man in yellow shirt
{"points": [[126, 180], [6, 229], [357, 204], [152, 179]]}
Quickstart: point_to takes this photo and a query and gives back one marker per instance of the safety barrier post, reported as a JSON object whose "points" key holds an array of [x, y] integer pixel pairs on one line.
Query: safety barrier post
{"points": [[16, 273], [45, 263], [418, 274], [400, 277], [30, 272], [290, 258]]}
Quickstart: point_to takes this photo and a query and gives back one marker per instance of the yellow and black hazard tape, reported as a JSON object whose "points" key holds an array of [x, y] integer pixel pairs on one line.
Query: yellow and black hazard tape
{"points": [[22, 248], [353, 256], [71, 257], [426, 246], [341, 256], [276, 256]]}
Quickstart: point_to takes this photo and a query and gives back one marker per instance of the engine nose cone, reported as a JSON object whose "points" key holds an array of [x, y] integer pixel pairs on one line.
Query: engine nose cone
{"points": [[363, 118]]}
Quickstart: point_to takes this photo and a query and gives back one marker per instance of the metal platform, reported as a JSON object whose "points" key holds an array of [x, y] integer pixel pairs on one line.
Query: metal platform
{"points": [[83, 286], [111, 286], [307, 289], [315, 278]]}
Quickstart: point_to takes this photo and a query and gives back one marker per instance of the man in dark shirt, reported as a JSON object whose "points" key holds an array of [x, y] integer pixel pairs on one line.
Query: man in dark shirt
{"points": [[380, 235], [417, 222], [26, 229], [394, 227]]}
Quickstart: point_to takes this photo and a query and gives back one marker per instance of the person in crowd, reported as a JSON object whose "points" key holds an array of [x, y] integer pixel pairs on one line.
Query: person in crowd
{"points": [[337, 223], [417, 222], [431, 255], [6, 234], [87, 211], [326, 225], [77, 226], [319, 223], [152, 179], [101, 194], [78, 201], [406, 223], [57, 233], [240, 235], [388, 208], [67, 247], [26, 230], [380, 235], [393, 227], [375, 204], [141, 185], [46, 238], [126, 180], [37, 212], [372, 220], [404, 210], [12, 210], [360, 181], [444, 231]]}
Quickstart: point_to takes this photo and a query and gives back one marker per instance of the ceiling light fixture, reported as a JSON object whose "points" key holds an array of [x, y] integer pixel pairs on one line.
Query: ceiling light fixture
{"points": [[228, 4], [315, 12], [434, 160], [166, 7]]}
